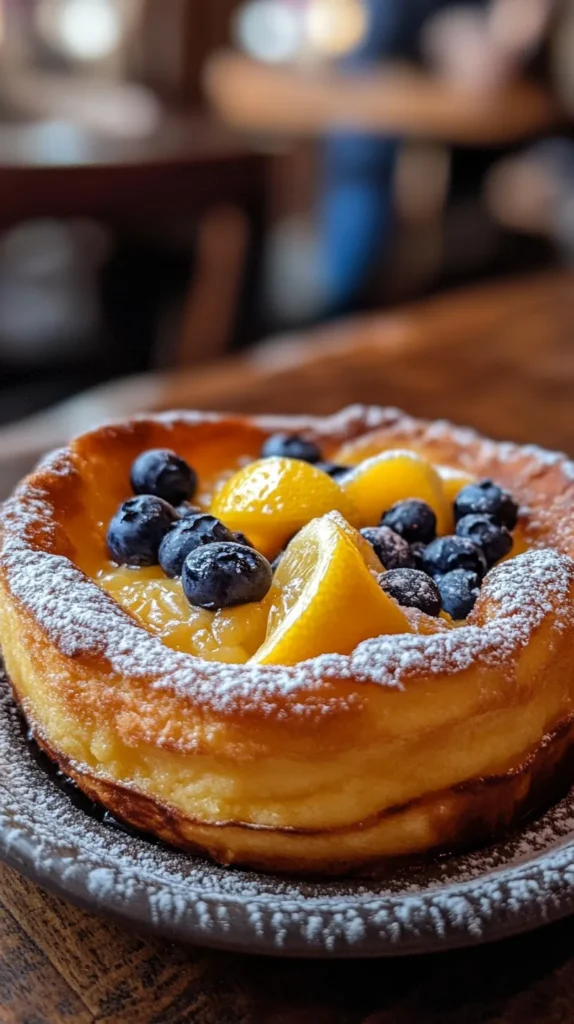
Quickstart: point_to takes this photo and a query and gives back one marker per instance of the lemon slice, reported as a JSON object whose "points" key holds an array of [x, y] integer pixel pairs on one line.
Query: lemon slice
{"points": [[379, 482], [325, 600], [271, 499], [453, 481]]}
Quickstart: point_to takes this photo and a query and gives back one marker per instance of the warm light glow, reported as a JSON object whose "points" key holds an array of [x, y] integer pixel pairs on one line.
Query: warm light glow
{"points": [[335, 27], [87, 30], [269, 30]]}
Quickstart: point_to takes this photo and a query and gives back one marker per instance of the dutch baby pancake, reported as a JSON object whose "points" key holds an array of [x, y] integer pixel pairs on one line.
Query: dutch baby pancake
{"points": [[311, 646]]}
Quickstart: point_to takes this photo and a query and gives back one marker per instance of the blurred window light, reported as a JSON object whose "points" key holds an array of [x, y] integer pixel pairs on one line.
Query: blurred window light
{"points": [[270, 30], [90, 29], [336, 27], [85, 30]]}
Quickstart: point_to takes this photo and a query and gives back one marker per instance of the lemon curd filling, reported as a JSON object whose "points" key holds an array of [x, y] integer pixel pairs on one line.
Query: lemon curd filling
{"points": [[326, 595], [231, 635]]}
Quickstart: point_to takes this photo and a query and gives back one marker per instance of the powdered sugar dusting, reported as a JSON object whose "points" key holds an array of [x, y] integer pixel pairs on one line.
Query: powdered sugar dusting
{"points": [[83, 620], [524, 592]]}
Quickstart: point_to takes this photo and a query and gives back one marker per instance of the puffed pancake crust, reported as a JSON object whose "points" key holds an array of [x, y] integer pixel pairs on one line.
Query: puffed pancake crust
{"points": [[331, 766]]}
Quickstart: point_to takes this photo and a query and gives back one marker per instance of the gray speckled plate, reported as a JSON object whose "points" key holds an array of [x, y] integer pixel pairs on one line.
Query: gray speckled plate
{"points": [[508, 888]]}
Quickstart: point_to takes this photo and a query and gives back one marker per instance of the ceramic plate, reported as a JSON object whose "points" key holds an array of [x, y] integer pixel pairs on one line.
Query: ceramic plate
{"points": [[50, 833]]}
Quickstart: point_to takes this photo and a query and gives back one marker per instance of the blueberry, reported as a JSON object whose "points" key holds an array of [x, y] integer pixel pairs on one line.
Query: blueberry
{"points": [[138, 528], [333, 470], [412, 589], [291, 446], [459, 590], [448, 553], [222, 575], [494, 539], [186, 509], [185, 536], [412, 519], [240, 538], [393, 551], [486, 498], [161, 472]]}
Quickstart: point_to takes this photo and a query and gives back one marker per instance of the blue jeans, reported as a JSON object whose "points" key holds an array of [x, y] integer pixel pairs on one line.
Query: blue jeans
{"points": [[356, 209]]}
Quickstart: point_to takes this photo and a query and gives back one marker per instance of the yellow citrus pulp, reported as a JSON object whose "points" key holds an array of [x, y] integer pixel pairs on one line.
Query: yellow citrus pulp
{"points": [[272, 499], [325, 598], [159, 604]]}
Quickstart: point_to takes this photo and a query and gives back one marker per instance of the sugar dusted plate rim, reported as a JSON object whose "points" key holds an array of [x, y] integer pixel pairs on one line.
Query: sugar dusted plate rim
{"points": [[508, 888]]}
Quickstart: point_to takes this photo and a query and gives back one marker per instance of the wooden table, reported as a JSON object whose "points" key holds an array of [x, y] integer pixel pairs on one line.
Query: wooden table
{"points": [[501, 358], [395, 100]]}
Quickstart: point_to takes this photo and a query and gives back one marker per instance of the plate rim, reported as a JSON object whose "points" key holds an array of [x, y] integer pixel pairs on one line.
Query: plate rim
{"points": [[518, 897], [120, 913], [219, 942]]}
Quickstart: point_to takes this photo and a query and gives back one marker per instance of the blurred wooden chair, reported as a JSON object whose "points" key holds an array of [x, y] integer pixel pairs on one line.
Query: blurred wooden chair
{"points": [[213, 298], [497, 357], [189, 168]]}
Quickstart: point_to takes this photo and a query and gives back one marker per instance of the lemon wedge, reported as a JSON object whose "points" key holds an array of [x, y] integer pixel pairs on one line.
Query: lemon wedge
{"points": [[379, 482], [271, 499], [366, 550], [325, 599]]}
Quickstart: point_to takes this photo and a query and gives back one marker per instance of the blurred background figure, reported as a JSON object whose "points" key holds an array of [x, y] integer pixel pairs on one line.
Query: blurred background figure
{"points": [[400, 205], [179, 180], [478, 45], [357, 207]]}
